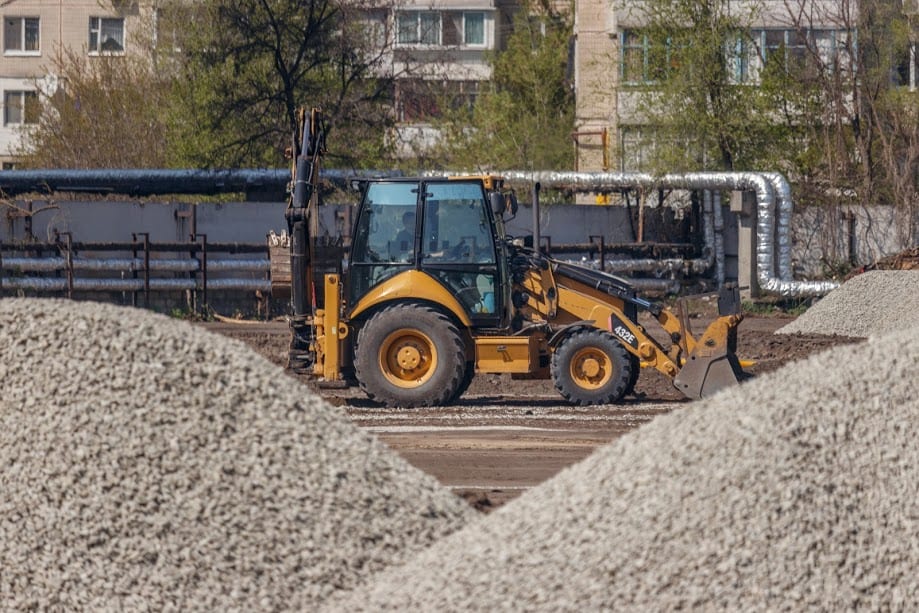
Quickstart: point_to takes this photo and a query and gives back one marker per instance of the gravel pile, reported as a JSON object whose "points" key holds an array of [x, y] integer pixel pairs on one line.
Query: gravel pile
{"points": [[146, 464], [795, 491], [869, 304]]}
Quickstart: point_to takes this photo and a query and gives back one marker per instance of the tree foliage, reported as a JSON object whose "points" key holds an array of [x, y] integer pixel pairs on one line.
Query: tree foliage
{"points": [[827, 111], [247, 65], [702, 116], [106, 113], [524, 117]]}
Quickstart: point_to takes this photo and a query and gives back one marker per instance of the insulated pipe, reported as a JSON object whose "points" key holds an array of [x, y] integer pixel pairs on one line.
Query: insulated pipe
{"points": [[668, 286], [718, 223], [537, 239], [132, 285], [708, 226], [51, 264], [759, 183], [784, 208], [148, 182], [694, 265], [601, 181], [658, 285]]}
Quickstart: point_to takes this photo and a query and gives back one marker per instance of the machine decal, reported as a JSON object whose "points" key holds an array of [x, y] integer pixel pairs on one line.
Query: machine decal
{"points": [[619, 328]]}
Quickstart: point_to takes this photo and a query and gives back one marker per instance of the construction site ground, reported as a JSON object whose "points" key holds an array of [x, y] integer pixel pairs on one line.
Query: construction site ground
{"points": [[504, 436]]}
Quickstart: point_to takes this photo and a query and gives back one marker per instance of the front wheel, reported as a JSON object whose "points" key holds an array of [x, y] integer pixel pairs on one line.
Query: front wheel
{"points": [[591, 367], [410, 355]]}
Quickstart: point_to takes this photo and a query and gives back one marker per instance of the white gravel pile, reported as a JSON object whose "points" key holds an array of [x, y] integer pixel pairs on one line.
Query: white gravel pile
{"points": [[869, 304], [146, 464], [796, 491]]}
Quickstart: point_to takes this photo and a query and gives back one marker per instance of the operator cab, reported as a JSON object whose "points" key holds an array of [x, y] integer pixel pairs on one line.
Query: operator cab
{"points": [[443, 227]]}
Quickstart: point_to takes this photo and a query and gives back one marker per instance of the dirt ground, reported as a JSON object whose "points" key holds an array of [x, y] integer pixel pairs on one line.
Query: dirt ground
{"points": [[505, 436]]}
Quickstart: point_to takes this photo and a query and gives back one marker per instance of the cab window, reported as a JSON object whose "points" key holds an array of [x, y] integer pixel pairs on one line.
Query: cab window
{"points": [[456, 225], [384, 236]]}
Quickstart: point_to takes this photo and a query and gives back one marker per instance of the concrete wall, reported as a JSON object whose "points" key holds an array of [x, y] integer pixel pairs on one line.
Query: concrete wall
{"points": [[828, 239]]}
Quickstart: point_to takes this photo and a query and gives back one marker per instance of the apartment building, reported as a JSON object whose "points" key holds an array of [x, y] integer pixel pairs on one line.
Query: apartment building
{"points": [[34, 32], [440, 57], [437, 50], [615, 63]]}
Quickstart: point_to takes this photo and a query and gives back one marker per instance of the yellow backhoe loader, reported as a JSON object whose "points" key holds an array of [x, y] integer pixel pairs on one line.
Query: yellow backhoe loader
{"points": [[434, 293]]}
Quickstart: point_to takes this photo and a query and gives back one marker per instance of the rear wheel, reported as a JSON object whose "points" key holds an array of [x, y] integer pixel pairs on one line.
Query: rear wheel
{"points": [[633, 378], [465, 383], [591, 367], [410, 355]]}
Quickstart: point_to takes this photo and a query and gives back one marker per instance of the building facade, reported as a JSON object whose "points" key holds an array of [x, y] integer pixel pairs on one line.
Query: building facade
{"points": [[35, 32], [436, 50], [615, 64], [439, 56]]}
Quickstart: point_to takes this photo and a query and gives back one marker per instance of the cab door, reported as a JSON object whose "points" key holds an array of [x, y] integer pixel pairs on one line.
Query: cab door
{"points": [[385, 235], [458, 246]]}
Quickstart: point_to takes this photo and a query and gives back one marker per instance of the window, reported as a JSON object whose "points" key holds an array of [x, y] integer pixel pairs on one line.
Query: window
{"points": [[906, 73], [21, 35], [384, 243], [423, 100], [742, 53], [457, 244], [646, 149], [106, 35], [20, 107], [645, 60], [418, 28], [796, 50], [474, 29], [637, 148]]}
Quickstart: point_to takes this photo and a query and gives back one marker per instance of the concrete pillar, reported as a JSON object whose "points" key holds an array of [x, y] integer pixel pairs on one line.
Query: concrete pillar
{"points": [[596, 79], [744, 205]]}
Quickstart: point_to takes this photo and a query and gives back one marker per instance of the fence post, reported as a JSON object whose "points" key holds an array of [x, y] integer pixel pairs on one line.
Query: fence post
{"points": [[146, 236], [69, 262], [203, 266]]}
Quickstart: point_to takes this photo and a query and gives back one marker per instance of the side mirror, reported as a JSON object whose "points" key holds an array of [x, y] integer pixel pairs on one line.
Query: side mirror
{"points": [[356, 184], [498, 205]]}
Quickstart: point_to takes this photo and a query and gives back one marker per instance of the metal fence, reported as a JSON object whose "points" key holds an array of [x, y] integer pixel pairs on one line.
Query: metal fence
{"points": [[138, 268]]}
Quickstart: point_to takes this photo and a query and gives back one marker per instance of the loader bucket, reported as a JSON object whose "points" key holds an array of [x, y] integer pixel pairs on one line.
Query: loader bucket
{"points": [[712, 365]]}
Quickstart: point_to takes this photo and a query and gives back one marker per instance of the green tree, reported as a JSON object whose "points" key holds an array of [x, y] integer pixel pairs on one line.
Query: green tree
{"points": [[524, 117], [691, 68], [247, 65], [105, 113], [858, 135]]}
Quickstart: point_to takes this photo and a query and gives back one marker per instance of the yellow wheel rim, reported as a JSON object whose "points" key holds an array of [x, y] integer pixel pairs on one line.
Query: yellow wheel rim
{"points": [[408, 358], [591, 368]]}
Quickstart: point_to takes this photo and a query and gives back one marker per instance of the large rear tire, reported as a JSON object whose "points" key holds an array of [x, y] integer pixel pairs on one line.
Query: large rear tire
{"points": [[410, 355], [468, 375], [591, 367], [633, 378]]}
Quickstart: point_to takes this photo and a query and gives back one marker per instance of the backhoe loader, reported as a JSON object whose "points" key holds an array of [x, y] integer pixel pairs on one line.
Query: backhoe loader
{"points": [[434, 292]]}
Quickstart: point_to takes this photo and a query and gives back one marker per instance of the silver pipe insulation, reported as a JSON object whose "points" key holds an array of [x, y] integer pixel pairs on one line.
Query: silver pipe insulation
{"points": [[669, 286], [784, 208], [708, 229], [693, 265], [132, 285], [770, 231], [52, 264], [718, 238]]}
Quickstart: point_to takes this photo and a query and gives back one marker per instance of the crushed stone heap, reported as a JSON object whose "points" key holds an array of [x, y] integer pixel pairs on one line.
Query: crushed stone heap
{"points": [[795, 491], [870, 304], [146, 464]]}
